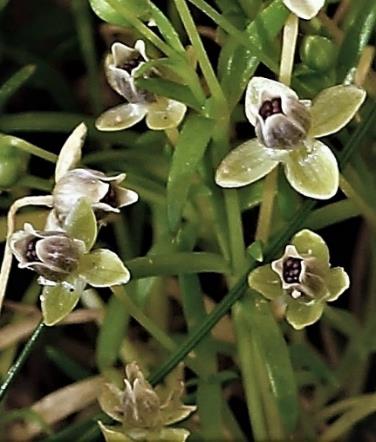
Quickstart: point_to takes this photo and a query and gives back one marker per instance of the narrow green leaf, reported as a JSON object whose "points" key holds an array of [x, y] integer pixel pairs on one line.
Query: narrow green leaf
{"points": [[67, 365], [303, 357], [57, 302], [357, 36], [256, 251], [17, 80], [104, 11], [81, 223], [103, 268], [169, 89], [189, 150], [111, 334], [277, 359]]}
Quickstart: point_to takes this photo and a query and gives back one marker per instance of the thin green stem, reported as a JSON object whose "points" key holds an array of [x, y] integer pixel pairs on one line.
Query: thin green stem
{"points": [[23, 145], [137, 24], [16, 367], [201, 54], [266, 209], [16, 81], [34, 182]]}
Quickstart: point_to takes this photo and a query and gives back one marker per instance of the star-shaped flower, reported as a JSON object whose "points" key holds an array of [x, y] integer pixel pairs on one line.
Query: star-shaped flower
{"points": [[287, 129], [122, 67], [302, 279], [144, 412], [305, 9]]}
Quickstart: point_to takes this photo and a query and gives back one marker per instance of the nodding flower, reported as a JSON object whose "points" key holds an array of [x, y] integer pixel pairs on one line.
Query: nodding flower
{"points": [[53, 255], [122, 68]]}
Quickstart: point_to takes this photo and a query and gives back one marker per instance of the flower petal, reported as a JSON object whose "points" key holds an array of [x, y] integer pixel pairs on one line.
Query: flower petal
{"points": [[245, 164], [300, 314], [113, 433], [313, 170], [337, 282], [305, 9], [121, 117], [70, 153], [111, 400], [265, 281], [57, 302], [333, 108], [310, 243], [103, 268], [165, 114], [259, 89]]}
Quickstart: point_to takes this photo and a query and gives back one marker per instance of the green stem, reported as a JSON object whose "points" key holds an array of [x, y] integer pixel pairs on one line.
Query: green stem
{"points": [[17, 80], [34, 182], [23, 145], [201, 54], [266, 208], [15, 369], [137, 24]]}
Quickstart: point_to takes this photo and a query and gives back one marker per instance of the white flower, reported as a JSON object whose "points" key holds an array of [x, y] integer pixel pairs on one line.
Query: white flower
{"points": [[122, 67], [286, 129]]}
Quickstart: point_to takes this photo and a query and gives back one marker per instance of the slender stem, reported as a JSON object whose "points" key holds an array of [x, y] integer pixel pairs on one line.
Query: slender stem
{"points": [[352, 194], [136, 23], [14, 370], [201, 54], [266, 209], [290, 35], [143, 320], [23, 145], [35, 182]]}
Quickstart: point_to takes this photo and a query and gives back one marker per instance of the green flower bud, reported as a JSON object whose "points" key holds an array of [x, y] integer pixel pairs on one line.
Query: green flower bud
{"points": [[318, 53]]}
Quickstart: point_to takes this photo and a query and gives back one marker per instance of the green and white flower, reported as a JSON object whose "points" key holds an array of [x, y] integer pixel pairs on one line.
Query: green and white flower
{"points": [[122, 67], [65, 262], [305, 9], [287, 129], [302, 280], [145, 413]]}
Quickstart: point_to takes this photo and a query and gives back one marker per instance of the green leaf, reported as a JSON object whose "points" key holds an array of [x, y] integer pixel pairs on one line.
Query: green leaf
{"points": [[107, 13], [276, 358], [103, 268], [357, 36], [81, 223], [256, 251], [238, 62], [169, 89], [111, 334], [57, 302], [189, 150], [17, 80]]}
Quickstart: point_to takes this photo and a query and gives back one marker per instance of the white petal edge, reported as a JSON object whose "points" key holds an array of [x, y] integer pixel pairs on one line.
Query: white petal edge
{"points": [[305, 9], [121, 117], [245, 164], [165, 114], [257, 88], [305, 168], [70, 153]]}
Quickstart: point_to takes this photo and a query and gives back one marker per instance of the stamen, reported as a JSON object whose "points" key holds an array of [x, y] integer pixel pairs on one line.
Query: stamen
{"points": [[270, 107], [292, 268], [30, 253]]}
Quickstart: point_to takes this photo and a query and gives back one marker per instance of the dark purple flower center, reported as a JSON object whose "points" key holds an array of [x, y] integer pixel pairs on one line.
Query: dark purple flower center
{"points": [[31, 253], [110, 197], [131, 64], [270, 107], [292, 269]]}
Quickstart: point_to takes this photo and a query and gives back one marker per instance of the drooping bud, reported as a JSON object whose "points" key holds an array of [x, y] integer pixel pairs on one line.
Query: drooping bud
{"points": [[105, 193], [53, 255]]}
